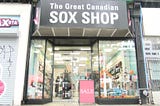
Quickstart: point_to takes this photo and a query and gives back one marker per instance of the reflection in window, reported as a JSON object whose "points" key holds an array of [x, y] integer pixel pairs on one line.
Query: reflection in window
{"points": [[118, 71], [48, 71], [36, 67]]}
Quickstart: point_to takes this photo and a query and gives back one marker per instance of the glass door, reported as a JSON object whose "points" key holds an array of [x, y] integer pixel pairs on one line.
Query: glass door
{"points": [[71, 64]]}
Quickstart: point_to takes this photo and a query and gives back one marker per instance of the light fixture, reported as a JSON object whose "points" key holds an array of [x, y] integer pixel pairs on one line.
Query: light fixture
{"points": [[38, 46], [108, 50], [49, 49], [37, 51], [51, 54], [60, 62], [83, 59], [57, 55], [56, 48], [58, 59], [75, 53], [82, 65], [85, 48]]}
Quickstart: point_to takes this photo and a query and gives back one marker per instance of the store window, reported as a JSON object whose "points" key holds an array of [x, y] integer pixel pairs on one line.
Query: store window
{"points": [[36, 67], [118, 70]]}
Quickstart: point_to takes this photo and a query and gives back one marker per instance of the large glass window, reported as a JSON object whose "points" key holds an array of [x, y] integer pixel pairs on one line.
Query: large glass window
{"points": [[118, 70], [36, 67]]}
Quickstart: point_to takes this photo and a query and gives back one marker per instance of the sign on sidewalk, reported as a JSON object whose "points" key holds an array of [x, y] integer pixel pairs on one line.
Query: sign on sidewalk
{"points": [[87, 91]]}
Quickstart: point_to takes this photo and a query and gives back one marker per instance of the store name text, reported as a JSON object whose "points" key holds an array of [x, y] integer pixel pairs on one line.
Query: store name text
{"points": [[87, 17], [7, 22], [83, 13]]}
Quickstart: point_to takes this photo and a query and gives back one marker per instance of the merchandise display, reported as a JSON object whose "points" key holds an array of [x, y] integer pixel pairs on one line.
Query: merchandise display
{"points": [[118, 76]]}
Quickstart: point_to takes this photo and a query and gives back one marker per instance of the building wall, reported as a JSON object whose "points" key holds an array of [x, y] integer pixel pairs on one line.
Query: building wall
{"points": [[151, 34], [151, 21], [24, 11]]}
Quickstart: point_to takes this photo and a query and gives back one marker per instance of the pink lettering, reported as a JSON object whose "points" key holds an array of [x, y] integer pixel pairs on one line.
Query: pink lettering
{"points": [[7, 22]]}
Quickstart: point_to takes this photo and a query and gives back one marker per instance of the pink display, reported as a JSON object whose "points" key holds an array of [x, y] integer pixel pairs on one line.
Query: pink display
{"points": [[2, 87], [87, 91]]}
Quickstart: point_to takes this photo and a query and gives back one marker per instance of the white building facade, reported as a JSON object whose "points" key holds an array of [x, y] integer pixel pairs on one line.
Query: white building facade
{"points": [[14, 33], [151, 34]]}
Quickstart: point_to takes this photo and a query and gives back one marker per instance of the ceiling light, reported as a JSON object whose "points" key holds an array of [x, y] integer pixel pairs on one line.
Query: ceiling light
{"points": [[85, 48], [60, 62], [51, 54], [82, 65], [57, 55], [56, 48], [49, 49], [37, 51], [58, 58], [38, 46], [83, 58], [107, 50], [75, 53]]}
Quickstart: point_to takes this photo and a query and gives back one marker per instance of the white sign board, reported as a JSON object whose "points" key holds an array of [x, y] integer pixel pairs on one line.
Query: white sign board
{"points": [[151, 21]]}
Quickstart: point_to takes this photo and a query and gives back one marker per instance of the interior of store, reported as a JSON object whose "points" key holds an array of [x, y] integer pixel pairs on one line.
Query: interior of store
{"points": [[118, 74], [71, 64]]}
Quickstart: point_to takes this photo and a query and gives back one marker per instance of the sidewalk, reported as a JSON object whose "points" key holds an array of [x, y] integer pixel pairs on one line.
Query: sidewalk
{"points": [[77, 104], [74, 102]]}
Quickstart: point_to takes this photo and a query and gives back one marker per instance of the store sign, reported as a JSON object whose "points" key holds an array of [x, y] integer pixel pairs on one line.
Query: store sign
{"points": [[87, 91], [84, 13], [8, 22], [9, 25]]}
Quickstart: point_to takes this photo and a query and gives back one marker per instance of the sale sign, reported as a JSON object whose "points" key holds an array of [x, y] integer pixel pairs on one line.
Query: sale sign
{"points": [[2, 88], [87, 91]]}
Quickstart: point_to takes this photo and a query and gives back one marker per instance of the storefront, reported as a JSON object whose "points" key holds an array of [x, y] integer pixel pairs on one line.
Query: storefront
{"points": [[14, 31], [73, 41], [79, 41], [8, 54]]}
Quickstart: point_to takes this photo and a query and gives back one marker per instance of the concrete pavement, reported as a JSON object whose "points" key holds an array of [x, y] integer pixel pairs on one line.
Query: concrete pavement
{"points": [[77, 104], [73, 102]]}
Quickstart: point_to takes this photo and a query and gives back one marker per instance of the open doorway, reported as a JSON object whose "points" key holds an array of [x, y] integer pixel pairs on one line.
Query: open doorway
{"points": [[71, 64]]}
